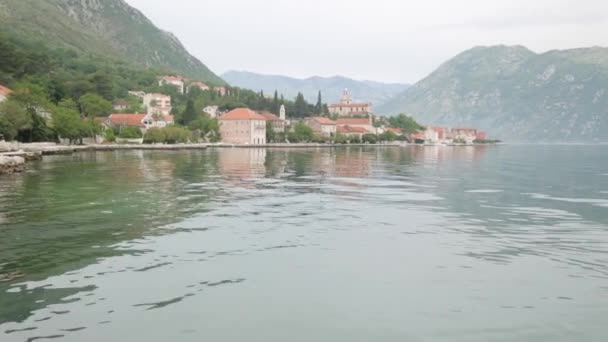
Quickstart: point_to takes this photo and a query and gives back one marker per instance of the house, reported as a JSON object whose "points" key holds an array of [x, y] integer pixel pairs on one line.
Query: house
{"points": [[352, 132], [346, 106], [436, 133], [177, 81], [222, 91], [481, 135], [157, 104], [243, 126], [120, 105], [365, 123], [137, 93], [278, 125], [4, 93], [200, 85], [321, 126], [142, 121], [212, 111], [467, 134]]}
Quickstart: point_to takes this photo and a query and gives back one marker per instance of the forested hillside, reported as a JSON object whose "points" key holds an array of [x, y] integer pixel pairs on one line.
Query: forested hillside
{"points": [[109, 28]]}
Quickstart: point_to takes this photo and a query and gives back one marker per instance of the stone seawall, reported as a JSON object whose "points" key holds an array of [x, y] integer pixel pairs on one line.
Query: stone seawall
{"points": [[11, 164]]}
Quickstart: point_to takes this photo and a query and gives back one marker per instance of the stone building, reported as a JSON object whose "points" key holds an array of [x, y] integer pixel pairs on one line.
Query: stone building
{"points": [[321, 126], [346, 106], [242, 126]]}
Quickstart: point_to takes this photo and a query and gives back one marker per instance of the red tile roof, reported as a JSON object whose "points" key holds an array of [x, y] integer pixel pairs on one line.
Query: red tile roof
{"points": [[200, 85], [323, 121], [242, 114], [353, 121], [350, 129], [5, 91], [269, 116], [127, 119], [395, 130], [169, 118], [335, 105], [172, 78]]}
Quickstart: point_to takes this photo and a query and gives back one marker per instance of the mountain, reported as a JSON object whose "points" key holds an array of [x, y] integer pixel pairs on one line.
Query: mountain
{"points": [[331, 87], [516, 94], [109, 28]]}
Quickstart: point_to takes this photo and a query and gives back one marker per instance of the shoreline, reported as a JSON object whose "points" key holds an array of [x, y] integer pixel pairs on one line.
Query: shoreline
{"points": [[14, 157]]}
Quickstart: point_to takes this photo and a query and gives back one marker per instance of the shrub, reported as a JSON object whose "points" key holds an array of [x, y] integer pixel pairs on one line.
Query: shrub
{"points": [[109, 135], [370, 138], [130, 133], [175, 135], [154, 136]]}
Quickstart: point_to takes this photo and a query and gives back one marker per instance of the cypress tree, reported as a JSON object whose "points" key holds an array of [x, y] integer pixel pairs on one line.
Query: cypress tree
{"points": [[189, 113], [319, 105]]}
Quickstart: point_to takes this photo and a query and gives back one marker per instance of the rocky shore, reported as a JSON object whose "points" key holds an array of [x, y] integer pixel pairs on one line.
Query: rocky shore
{"points": [[11, 164]]}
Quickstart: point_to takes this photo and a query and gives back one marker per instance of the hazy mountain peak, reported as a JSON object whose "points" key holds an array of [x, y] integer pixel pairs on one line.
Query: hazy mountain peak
{"points": [[516, 94], [331, 87]]}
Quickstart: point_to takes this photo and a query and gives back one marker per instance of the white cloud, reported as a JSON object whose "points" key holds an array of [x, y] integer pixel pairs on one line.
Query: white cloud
{"points": [[386, 40]]}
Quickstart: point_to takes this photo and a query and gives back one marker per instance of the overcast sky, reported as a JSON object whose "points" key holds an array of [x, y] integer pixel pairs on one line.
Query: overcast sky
{"points": [[382, 40]]}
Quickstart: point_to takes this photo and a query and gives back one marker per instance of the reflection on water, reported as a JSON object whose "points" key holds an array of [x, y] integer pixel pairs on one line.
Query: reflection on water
{"points": [[505, 243]]}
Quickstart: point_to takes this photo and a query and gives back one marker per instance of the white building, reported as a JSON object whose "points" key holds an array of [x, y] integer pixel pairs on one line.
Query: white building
{"points": [[177, 81], [142, 121], [158, 104], [212, 111]]}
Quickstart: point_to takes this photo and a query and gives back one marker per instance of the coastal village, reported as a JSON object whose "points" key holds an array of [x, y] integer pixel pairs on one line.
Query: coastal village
{"points": [[347, 121]]}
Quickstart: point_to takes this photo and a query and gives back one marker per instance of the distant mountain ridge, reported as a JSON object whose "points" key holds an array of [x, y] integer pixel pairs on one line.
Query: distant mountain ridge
{"points": [[516, 94], [331, 87], [108, 28]]}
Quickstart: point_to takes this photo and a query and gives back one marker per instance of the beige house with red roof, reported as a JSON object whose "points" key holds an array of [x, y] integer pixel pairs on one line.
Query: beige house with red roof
{"points": [[350, 131], [200, 85], [364, 123], [278, 125], [177, 81], [242, 126], [321, 126], [4, 93], [347, 107]]}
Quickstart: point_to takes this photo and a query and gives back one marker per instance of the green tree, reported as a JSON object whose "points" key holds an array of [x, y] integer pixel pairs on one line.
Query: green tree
{"points": [[406, 123], [370, 138], [319, 105], [300, 106], [103, 85], [276, 106], [155, 136], [190, 114], [129, 132], [388, 136], [206, 127], [301, 133], [94, 105], [13, 119], [109, 135], [270, 133], [69, 125]]}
